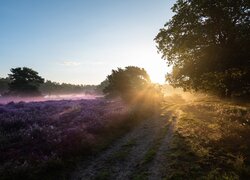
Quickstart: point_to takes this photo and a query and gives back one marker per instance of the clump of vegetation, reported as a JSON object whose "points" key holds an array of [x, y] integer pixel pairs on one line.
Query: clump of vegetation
{"points": [[103, 175], [141, 176], [124, 152]]}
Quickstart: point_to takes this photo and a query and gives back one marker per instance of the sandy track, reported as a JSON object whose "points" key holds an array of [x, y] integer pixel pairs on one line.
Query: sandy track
{"points": [[125, 156]]}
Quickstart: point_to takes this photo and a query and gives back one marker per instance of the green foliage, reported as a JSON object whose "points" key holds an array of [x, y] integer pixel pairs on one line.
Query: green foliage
{"points": [[124, 151], [140, 176], [100, 88], [103, 175], [150, 155], [24, 81], [127, 82], [208, 42]]}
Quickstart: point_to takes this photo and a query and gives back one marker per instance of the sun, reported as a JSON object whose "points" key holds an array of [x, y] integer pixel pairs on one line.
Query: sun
{"points": [[157, 77], [157, 72]]}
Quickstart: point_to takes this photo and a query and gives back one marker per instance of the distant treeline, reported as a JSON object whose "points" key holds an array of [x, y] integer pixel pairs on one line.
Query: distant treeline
{"points": [[4, 85], [50, 87]]}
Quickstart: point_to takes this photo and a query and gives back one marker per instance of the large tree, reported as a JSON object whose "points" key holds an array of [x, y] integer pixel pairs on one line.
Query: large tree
{"points": [[24, 82], [208, 45], [127, 82]]}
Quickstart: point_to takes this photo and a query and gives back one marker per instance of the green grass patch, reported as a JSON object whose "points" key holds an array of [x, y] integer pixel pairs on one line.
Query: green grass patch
{"points": [[124, 151], [120, 155], [103, 175], [141, 176], [149, 156], [130, 143]]}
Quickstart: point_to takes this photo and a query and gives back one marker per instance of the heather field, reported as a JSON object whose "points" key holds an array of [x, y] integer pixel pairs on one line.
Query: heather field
{"points": [[38, 135], [53, 97], [125, 90]]}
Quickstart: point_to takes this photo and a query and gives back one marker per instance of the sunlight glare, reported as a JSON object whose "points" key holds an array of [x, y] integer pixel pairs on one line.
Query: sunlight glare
{"points": [[157, 71]]}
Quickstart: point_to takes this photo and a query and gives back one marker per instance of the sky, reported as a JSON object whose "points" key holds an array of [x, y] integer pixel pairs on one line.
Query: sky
{"points": [[81, 41]]}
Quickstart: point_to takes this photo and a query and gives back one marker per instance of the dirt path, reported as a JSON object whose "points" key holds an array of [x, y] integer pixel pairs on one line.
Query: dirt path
{"points": [[158, 169], [137, 155]]}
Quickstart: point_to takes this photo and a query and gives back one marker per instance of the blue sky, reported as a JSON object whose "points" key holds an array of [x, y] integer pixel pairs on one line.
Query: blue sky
{"points": [[81, 41]]}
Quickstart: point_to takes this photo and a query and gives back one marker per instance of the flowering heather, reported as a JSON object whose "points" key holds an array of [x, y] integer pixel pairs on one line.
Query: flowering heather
{"points": [[34, 133]]}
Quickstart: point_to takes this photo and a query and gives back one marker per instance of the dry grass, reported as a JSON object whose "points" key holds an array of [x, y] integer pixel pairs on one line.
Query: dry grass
{"points": [[211, 139]]}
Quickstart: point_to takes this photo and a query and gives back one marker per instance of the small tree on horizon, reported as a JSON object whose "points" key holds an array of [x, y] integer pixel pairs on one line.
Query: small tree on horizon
{"points": [[24, 82], [126, 82]]}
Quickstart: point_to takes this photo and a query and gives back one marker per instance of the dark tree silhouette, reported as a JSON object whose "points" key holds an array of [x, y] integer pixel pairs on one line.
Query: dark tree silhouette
{"points": [[24, 82], [126, 82], [208, 44], [4, 85], [50, 87]]}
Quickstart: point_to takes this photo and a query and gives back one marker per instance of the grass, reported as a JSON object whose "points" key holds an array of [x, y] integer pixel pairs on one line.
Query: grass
{"points": [[124, 151], [182, 162], [211, 141], [141, 176], [149, 156], [103, 175], [130, 143], [120, 155]]}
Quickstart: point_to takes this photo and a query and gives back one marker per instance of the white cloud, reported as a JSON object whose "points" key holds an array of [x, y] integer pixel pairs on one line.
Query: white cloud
{"points": [[70, 63]]}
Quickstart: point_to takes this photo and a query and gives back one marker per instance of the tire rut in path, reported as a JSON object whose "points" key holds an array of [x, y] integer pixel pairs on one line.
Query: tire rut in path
{"points": [[110, 165], [158, 168]]}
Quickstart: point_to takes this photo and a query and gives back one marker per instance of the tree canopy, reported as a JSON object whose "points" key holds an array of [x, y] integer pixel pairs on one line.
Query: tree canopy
{"points": [[208, 45], [24, 81], [126, 82]]}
